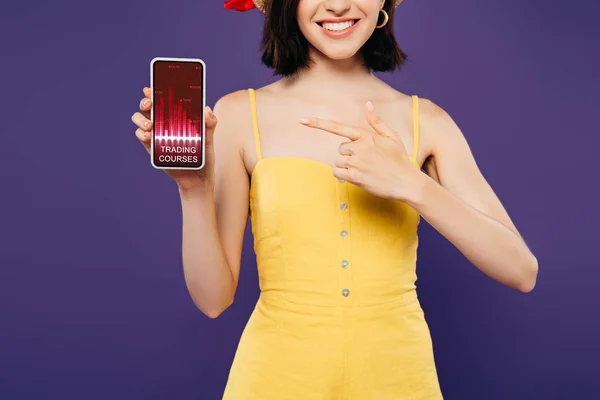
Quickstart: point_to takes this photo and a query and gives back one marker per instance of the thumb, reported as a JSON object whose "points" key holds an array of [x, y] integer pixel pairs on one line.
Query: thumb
{"points": [[210, 123]]}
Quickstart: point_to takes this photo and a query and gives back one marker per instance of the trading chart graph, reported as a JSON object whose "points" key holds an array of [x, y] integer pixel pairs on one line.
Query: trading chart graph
{"points": [[178, 108]]}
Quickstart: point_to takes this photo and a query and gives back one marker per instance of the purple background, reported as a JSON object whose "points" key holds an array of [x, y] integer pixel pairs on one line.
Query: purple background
{"points": [[92, 298]]}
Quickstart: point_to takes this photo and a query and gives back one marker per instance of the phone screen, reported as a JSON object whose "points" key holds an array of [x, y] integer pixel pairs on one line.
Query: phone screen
{"points": [[178, 113]]}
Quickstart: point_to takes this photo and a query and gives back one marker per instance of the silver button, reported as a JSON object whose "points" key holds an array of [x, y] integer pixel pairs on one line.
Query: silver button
{"points": [[340, 180], [345, 264], [344, 233], [343, 206], [345, 293]]}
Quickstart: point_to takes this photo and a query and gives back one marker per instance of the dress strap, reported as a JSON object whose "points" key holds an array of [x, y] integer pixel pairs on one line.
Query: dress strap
{"points": [[255, 123], [416, 132]]}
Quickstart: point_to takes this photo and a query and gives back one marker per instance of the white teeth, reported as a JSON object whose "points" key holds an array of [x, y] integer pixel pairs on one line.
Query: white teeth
{"points": [[337, 26]]}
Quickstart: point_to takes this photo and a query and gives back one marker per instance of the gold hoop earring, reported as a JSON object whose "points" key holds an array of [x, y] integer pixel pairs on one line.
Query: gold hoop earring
{"points": [[385, 19]]}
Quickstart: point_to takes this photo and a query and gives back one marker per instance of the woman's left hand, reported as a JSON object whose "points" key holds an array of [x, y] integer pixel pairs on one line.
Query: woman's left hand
{"points": [[375, 160]]}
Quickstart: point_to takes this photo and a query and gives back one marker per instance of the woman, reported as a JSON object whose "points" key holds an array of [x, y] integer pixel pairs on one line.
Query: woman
{"points": [[329, 159]]}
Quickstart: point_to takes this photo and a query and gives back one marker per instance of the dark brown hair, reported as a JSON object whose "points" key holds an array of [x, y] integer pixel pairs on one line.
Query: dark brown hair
{"points": [[285, 49]]}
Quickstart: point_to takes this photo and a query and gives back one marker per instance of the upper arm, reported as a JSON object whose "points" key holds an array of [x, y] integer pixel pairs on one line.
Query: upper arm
{"points": [[454, 167], [231, 179]]}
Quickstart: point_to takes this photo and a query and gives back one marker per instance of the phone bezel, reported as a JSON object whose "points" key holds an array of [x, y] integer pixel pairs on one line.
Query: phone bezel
{"points": [[203, 130]]}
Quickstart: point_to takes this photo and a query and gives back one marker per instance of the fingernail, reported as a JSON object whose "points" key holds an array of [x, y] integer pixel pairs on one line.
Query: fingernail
{"points": [[146, 124], [145, 135], [370, 106], [304, 120], [146, 103]]}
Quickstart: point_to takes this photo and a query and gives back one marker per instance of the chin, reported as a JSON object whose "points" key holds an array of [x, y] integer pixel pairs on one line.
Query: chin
{"points": [[339, 52], [340, 55]]}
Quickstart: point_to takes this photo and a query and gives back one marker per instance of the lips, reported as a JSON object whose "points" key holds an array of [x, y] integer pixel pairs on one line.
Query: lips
{"points": [[338, 30]]}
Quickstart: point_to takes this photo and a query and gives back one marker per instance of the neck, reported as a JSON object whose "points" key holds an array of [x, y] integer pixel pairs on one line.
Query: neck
{"points": [[329, 76]]}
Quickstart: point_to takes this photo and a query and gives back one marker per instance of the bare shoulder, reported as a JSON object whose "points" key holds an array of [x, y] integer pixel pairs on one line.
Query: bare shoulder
{"points": [[440, 134], [272, 91], [389, 94], [234, 125], [234, 118], [432, 114], [438, 125], [238, 103], [231, 104]]}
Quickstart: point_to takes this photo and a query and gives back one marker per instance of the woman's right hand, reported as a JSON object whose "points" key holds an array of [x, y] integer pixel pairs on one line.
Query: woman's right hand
{"points": [[187, 180]]}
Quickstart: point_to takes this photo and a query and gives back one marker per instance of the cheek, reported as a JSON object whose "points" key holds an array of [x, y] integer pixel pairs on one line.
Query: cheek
{"points": [[371, 10], [308, 31], [370, 7], [304, 19], [305, 11]]}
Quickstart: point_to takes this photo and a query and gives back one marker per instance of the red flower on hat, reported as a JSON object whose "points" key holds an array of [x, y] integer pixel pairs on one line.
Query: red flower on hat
{"points": [[239, 5]]}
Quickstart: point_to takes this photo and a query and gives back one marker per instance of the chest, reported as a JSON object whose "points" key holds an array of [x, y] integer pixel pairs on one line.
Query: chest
{"points": [[282, 135]]}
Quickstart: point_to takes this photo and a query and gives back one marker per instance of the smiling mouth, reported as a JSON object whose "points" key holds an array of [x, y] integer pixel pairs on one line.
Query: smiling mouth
{"points": [[337, 26]]}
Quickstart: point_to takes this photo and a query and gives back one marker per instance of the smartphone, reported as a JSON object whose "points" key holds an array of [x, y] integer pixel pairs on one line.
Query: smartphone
{"points": [[178, 100]]}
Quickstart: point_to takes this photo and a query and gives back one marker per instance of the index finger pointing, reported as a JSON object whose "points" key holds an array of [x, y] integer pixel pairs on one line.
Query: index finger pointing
{"points": [[350, 132]]}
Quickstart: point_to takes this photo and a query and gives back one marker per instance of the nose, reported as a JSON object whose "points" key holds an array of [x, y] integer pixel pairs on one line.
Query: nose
{"points": [[337, 6]]}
